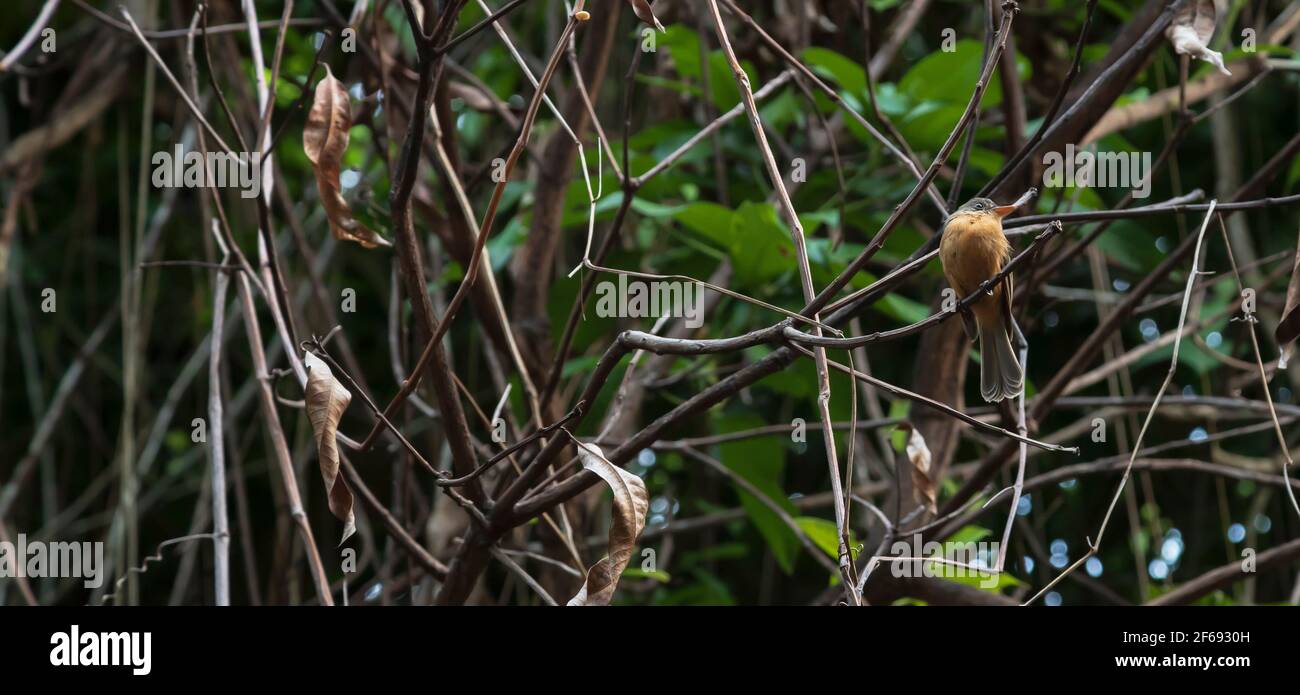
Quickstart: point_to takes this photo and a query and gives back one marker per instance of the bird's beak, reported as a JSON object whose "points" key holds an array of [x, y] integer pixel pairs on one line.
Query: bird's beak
{"points": [[1004, 210]]}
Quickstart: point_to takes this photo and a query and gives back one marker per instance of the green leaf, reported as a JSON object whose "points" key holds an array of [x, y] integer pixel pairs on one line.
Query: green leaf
{"points": [[846, 71], [706, 590], [1293, 174], [980, 580], [985, 160], [1130, 246], [970, 534], [757, 242], [637, 573], [949, 76], [647, 208], [928, 126], [709, 220], [761, 246], [1189, 355], [823, 534], [763, 465], [899, 409], [903, 309], [682, 44]]}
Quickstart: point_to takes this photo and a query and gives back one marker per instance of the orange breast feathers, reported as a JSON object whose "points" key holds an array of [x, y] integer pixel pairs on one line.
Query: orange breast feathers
{"points": [[974, 249]]}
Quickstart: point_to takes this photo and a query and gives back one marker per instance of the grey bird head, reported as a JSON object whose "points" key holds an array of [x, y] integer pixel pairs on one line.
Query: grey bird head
{"points": [[977, 205], [984, 206]]}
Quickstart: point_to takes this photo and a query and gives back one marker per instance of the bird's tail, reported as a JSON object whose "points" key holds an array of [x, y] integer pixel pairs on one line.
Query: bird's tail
{"points": [[1000, 373]]}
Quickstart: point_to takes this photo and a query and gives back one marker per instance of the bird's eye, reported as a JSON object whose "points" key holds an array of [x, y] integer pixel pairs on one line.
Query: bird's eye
{"points": [[979, 206]]}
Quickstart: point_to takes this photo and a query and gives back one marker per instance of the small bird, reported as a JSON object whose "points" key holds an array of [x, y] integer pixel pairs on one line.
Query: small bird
{"points": [[973, 249]]}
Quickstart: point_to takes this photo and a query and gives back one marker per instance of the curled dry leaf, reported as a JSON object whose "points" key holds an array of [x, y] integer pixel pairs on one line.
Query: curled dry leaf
{"points": [[325, 139], [1289, 327], [645, 14], [1192, 29], [326, 400], [923, 488], [630, 505]]}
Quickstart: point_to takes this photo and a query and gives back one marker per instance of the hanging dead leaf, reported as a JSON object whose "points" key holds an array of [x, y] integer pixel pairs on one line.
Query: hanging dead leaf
{"points": [[918, 453], [1289, 327], [325, 139], [326, 400], [630, 505], [1193, 27], [645, 14]]}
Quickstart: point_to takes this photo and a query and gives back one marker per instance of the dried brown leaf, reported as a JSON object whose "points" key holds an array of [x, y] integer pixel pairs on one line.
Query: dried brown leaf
{"points": [[923, 487], [325, 139], [326, 400], [1289, 327], [1193, 27], [645, 14], [630, 505]]}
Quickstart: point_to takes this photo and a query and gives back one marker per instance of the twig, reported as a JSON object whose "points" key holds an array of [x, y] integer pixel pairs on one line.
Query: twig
{"points": [[144, 565], [806, 282], [835, 98], [936, 405], [216, 433], [1050, 116], [1250, 319], [185, 97], [1095, 544], [934, 319], [236, 28], [485, 228], [877, 242], [42, 18], [1226, 574], [721, 469], [523, 576]]}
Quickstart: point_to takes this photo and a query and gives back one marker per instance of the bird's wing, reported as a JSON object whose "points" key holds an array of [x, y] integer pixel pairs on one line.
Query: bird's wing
{"points": [[1008, 296], [968, 322]]}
